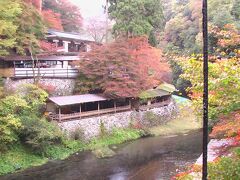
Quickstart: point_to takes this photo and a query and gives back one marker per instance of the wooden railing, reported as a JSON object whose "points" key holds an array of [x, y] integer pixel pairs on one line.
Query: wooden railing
{"points": [[65, 117], [68, 72]]}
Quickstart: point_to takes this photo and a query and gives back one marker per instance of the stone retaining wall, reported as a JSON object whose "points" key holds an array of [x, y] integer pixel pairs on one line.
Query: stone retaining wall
{"points": [[62, 87], [90, 127]]}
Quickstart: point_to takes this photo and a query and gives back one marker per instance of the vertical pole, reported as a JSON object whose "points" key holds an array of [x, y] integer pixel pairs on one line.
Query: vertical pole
{"points": [[80, 110], [59, 113], [205, 90], [115, 106], [98, 107], [14, 65]]}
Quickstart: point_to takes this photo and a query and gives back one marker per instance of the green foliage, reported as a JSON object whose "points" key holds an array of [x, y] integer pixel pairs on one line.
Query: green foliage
{"points": [[9, 11], [180, 83], [38, 133], [117, 136], [34, 96], [183, 33], [13, 105], [225, 168], [77, 134], [9, 126], [224, 84], [20, 29], [31, 28], [19, 157], [103, 130], [1, 87], [134, 18]]}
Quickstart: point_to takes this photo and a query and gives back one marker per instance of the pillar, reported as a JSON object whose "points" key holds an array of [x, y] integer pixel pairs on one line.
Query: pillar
{"points": [[59, 113], [65, 45], [115, 106]]}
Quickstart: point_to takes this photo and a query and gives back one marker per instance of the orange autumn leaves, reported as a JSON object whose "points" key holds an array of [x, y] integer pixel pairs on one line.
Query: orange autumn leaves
{"points": [[228, 126], [123, 68]]}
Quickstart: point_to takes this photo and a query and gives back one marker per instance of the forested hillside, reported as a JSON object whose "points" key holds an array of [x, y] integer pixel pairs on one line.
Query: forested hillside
{"points": [[182, 33]]}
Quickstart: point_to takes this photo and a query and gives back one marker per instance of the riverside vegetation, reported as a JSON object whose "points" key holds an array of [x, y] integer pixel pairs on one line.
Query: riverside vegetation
{"points": [[28, 139]]}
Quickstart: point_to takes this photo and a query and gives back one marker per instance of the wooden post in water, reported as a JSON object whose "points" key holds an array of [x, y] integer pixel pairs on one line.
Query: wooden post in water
{"points": [[205, 90]]}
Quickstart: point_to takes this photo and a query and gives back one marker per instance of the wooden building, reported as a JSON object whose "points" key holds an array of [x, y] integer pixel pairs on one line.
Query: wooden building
{"points": [[57, 64], [64, 108], [44, 66]]}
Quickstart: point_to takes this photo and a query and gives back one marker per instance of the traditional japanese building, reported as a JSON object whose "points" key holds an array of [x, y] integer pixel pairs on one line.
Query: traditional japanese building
{"points": [[65, 108], [67, 49]]}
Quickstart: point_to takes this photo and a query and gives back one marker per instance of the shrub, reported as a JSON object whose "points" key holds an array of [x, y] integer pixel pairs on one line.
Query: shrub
{"points": [[9, 125], [103, 130], [34, 96], [225, 168], [228, 126], [13, 105], [38, 133], [77, 134]]}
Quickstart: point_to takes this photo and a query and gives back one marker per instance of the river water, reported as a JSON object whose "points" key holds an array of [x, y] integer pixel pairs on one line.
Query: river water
{"points": [[152, 158]]}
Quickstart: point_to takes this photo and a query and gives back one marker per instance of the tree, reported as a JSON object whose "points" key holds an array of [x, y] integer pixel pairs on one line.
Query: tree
{"points": [[123, 68], [134, 18], [224, 84], [31, 29], [226, 39], [9, 12], [183, 26], [36, 3], [20, 29], [97, 29], [69, 13], [52, 19]]}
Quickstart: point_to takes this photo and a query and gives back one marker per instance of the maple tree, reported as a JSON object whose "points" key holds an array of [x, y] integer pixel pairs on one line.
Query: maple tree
{"points": [[123, 68], [228, 126], [225, 39], [69, 13], [36, 3], [52, 19]]}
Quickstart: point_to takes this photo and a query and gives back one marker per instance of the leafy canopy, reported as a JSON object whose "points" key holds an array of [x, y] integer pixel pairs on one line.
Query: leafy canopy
{"points": [[20, 30], [123, 68], [9, 12], [134, 18], [69, 14], [224, 84]]}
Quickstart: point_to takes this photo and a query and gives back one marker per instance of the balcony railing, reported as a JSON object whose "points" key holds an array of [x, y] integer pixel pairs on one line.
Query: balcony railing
{"points": [[79, 115], [46, 72]]}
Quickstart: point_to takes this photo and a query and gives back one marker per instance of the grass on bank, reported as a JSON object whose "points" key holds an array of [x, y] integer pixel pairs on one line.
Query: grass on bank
{"points": [[184, 122], [19, 157]]}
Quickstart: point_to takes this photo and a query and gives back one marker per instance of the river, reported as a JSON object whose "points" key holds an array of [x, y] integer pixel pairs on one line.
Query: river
{"points": [[151, 158]]}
